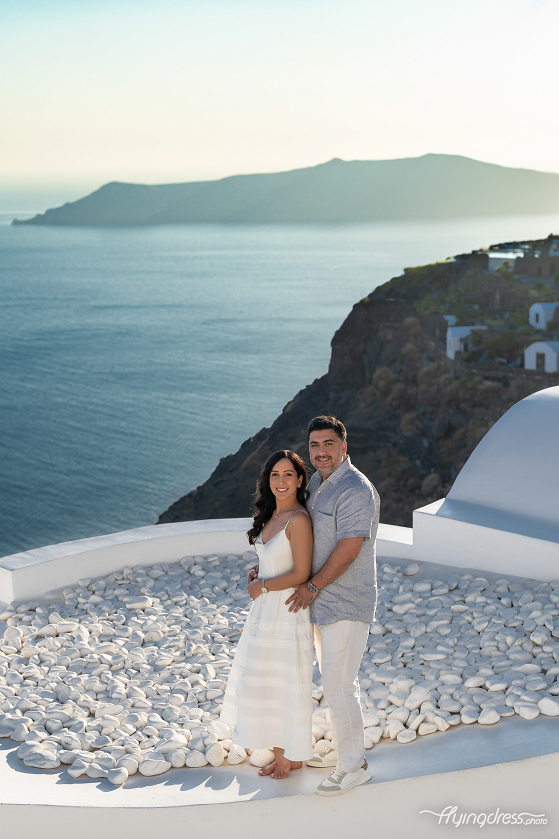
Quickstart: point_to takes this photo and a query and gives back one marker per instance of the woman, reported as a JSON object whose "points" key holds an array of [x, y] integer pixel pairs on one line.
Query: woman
{"points": [[268, 696]]}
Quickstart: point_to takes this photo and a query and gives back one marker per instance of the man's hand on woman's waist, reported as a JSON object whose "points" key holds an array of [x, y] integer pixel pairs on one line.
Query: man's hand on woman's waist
{"points": [[301, 598]]}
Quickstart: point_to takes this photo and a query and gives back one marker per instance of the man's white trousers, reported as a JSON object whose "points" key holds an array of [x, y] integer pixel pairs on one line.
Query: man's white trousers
{"points": [[339, 649]]}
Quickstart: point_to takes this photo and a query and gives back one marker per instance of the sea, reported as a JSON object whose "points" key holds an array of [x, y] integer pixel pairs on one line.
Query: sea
{"points": [[133, 359]]}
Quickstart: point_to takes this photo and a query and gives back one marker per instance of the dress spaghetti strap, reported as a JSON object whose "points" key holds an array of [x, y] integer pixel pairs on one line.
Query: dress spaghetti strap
{"points": [[294, 514]]}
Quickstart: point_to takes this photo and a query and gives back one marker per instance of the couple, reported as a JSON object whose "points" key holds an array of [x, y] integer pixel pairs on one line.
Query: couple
{"points": [[315, 544]]}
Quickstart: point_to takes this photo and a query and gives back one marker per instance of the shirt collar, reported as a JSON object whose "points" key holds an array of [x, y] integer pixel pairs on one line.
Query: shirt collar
{"points": [[339, 473]]}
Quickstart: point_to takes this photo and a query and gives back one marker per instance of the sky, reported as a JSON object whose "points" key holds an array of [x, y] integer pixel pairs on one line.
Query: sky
{"points": [[156, 92]]}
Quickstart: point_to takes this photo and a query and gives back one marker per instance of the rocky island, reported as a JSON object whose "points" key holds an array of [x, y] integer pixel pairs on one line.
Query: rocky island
{"points": [[433, 186], [413, 414]]}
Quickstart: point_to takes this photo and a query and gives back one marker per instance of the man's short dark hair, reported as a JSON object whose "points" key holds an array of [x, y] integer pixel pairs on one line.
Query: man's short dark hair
{"points": [[324, 423]]}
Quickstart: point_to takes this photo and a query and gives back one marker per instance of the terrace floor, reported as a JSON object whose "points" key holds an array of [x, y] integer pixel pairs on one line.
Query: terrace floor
{"points": [[512, 766]]}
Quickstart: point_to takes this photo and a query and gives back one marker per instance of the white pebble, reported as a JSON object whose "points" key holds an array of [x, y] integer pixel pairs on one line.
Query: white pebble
{"points": [[469, 715], [117, 776], [495, 683], [261, 757], [398, 697], [548, 706], [128, 763], [474, 682], [96, 771], [406, 736], [426, 728], [401, 714], [67, 756], [393, 728], [527, 710], [450, 678], [419, 694], [177, 758], [152, 767], [369, 719], [374, 733], [195, 759], [19, 732], [489, 716], [139, 603], [175, 742], [77, 769], [237, 754], [27, 749], [416, 722], [215, 754], [42, 760], [220, 729]]}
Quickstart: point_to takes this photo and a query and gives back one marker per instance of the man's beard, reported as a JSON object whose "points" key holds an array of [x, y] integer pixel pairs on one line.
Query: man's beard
{"points": [[327, 469]]}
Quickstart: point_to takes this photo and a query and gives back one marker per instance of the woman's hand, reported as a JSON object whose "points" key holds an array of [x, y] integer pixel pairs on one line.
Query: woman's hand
{"points": [[254, 589], [253, 573]]}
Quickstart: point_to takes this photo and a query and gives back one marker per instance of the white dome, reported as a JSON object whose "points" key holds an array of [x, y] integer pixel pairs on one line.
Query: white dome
{"points": [[515, 468]]}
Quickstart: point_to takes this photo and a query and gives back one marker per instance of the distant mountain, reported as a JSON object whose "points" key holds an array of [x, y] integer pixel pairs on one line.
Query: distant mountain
{"points": [[429, 187]]}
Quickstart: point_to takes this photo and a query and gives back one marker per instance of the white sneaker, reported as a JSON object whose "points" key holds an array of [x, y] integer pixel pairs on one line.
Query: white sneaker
{"points": [[329, 757], [339, 782]]}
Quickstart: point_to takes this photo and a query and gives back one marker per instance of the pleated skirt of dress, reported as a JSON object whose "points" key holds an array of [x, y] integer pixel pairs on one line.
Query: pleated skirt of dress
{"points": [[268, 697]]}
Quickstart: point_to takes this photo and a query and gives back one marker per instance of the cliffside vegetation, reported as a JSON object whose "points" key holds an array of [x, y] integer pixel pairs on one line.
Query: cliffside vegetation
{"points": [[413, 415]]}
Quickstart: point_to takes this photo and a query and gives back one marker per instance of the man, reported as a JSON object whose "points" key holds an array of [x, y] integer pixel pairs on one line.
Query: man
{"points": [[341, 594]]}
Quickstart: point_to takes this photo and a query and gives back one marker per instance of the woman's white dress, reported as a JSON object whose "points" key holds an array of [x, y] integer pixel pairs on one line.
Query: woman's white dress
{"points": [[268, 697]]}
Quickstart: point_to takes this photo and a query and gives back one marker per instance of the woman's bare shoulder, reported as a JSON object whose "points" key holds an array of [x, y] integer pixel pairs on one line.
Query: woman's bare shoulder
{"points": [[300, 522]]}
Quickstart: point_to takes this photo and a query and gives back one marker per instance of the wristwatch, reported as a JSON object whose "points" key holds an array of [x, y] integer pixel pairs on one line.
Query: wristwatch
{"points": [[263, 590], [312, 587]]}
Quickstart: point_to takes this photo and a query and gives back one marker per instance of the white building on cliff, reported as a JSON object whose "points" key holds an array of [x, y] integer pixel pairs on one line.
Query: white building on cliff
{"points": [[540, 314], [456, 337], [542, 355]]}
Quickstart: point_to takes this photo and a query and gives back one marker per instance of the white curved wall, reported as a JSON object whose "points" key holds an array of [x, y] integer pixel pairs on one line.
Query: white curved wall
{"points": [[31, 574], [502, 514], [515, 468]]}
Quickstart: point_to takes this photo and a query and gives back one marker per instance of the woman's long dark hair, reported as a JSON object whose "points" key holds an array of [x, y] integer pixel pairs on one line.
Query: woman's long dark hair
{"points": [[265, 500]]}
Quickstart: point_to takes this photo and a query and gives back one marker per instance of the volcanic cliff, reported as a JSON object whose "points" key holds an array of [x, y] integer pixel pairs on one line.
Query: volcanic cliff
{"points": [[413, 415]]}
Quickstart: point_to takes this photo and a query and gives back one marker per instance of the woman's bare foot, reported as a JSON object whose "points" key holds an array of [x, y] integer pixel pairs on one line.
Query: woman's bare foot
{"points": [[280, 769], [284, 767], [281, 766], [267, 770]]}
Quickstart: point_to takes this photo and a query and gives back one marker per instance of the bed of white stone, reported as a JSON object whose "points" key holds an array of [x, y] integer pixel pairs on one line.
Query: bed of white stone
{"points": [[126, 674]]}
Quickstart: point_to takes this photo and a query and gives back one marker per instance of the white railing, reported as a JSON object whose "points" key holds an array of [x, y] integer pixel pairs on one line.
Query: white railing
{"points": [[33, 573]]}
